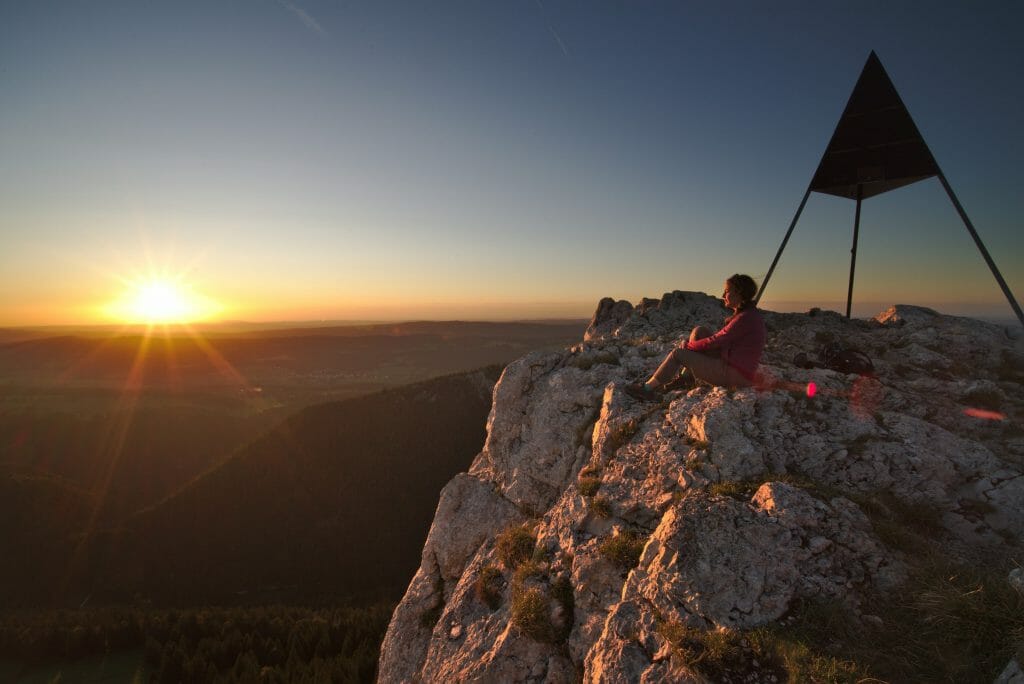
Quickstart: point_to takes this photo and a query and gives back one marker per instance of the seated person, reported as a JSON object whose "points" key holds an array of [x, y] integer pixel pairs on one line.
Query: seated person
{"points": [[728, 357]]}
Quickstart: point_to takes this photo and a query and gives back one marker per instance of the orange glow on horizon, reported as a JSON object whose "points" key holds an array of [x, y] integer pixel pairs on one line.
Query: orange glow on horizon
{"points": [[160, 300]]}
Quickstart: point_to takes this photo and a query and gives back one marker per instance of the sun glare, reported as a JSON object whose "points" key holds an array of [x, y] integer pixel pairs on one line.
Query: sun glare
{"points": [[161, 301]]}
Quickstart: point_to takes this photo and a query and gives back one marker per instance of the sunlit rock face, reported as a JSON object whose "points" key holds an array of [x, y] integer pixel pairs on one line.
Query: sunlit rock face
{"points": [[711, 508]]}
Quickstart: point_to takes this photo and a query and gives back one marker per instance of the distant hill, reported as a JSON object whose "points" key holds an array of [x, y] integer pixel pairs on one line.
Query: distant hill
{"points": [[335, 501], [337, 356], [71, 419]]}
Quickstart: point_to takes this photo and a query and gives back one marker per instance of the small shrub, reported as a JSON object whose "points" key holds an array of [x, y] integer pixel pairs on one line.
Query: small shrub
{"points": [[724, 654], [947, 623], [734, 489], [623, 549], [488, 586], [515, 545], [527, 570], [588, 486], [531, 614], [601, 506]]}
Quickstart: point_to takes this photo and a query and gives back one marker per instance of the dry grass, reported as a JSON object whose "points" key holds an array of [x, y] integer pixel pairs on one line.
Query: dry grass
{"points": [[515, 545], [623, 549], [948, 623], [531, 614], [741, 490], [724, 655], [588, 486]]}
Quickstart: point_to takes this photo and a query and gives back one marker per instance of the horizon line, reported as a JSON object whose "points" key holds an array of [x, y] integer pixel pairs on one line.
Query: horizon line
{"points": [[983, 312]]}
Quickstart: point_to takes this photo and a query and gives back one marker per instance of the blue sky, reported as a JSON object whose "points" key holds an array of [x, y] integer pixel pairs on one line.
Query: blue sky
{"points": [[308, 160]]}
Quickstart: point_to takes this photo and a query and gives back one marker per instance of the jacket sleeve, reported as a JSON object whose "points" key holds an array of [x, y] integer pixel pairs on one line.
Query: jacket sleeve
{"points": [[733, 329]]}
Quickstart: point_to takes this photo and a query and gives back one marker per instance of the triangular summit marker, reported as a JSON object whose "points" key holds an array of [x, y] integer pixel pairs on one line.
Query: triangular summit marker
{"points": [[876, 144], [876, 147]]}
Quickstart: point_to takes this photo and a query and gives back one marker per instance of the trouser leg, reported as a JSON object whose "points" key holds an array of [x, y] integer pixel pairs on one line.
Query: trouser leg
{"points": [[707, 367], [673, 363], [669, 368]]}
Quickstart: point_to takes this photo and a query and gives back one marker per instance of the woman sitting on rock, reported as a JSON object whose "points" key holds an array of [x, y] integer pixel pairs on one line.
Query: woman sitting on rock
{"points": [[728, 357]]}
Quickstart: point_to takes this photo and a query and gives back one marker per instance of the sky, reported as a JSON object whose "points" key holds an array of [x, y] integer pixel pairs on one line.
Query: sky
{"points": [[337, 160]]}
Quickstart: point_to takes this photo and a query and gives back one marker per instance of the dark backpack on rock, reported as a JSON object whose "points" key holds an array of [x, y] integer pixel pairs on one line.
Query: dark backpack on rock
{"points": [[838, 358]]}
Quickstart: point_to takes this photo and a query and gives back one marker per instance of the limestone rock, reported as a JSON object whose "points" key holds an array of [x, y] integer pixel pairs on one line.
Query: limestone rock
{"points": [[713, 509], [1013, 674], [609, 316]]}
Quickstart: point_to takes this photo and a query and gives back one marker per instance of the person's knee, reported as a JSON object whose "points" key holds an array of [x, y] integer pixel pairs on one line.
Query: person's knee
{"points": [[700, 332]]}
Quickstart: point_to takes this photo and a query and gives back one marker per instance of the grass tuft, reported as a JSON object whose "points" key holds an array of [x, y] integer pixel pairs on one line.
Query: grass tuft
{"points": [[515, 545], [588, 486], [623, 549], [527, 570], [734, 489], [947, 623], [724, 654], [531, 614]]}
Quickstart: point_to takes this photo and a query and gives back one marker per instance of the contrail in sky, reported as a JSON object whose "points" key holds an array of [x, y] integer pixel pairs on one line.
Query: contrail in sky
{"points": [[554, 33], [558, 40], [309, 21]]}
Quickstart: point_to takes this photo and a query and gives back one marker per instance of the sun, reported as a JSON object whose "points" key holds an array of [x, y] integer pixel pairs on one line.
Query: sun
{"points": [[160, 301]]}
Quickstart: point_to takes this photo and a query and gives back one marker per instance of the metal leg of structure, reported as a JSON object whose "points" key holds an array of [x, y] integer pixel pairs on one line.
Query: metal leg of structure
{"points": [[853, 251], [792, 225], [984, 252]]}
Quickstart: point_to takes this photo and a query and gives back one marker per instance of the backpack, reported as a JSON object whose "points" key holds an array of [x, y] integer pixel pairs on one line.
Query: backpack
{"points": [[834, 356]]}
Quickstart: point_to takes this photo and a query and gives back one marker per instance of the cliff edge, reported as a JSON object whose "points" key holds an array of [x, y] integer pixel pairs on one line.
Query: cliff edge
{"points": [[601, 538]]}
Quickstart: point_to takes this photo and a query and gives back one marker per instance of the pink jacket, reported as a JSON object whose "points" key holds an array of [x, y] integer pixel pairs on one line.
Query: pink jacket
{"points": [[741, 341]]}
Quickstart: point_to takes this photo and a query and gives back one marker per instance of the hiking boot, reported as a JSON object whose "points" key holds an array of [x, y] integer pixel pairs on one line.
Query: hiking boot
{"points": [[684, 382], [640, 392]]}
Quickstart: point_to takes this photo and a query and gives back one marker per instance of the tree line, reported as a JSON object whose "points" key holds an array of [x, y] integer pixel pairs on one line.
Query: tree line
{"points": [[222, 644]]}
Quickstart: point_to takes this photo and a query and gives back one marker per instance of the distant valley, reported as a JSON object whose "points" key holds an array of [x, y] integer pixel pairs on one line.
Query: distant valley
{"points": [[238, 437]]}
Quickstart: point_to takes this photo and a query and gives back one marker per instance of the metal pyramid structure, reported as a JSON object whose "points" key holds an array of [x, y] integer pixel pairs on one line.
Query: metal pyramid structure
{"points": [[876, 147]]}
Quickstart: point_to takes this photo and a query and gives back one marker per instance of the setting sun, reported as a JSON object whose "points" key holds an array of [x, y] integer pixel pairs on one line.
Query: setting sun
{"points": [[161, 301]]}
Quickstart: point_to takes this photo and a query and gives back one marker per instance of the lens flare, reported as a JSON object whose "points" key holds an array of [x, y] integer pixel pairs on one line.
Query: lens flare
{"points": [[812, 389], [984, 414]]}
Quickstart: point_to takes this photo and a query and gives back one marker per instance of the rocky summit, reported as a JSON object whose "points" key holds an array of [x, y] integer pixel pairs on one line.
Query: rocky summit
{"points": [[600, 538]]}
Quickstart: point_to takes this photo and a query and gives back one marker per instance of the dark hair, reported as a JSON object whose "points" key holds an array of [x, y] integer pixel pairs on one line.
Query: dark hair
{"points": [[745, 287]]}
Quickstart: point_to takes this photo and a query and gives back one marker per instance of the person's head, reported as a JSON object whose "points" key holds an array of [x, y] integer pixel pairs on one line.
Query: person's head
{"points": [[740, 291]]}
